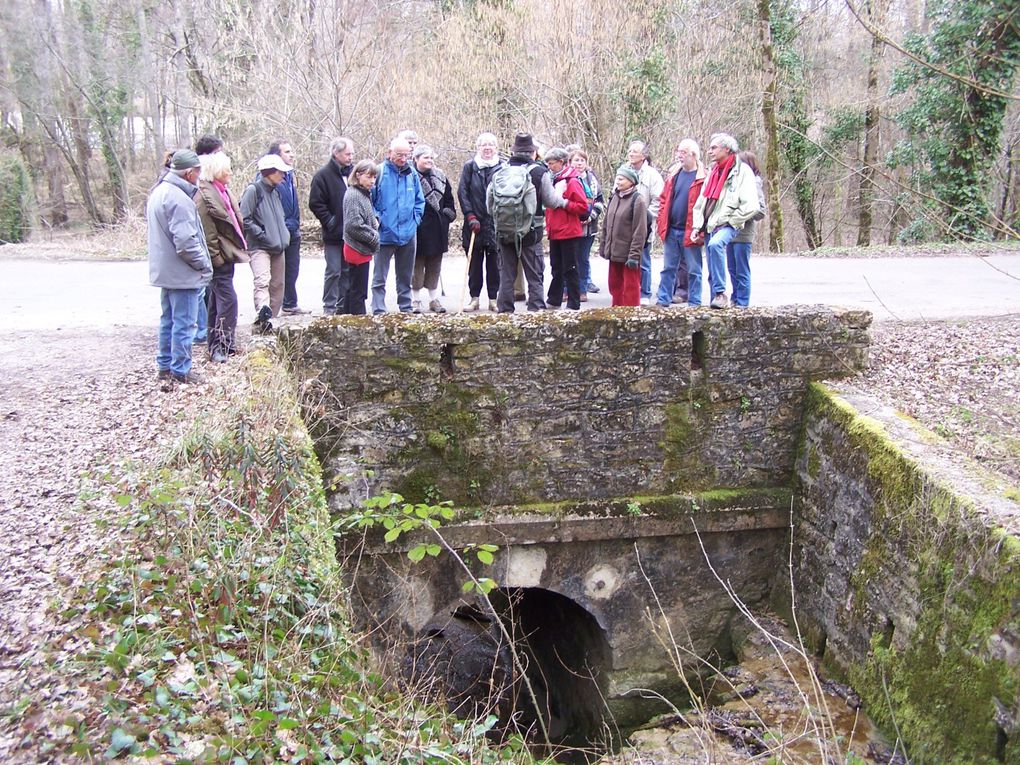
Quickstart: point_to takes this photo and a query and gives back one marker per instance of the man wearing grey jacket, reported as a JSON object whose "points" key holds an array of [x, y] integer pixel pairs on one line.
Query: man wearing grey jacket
{"points": [[179, 264], [265, 228]]}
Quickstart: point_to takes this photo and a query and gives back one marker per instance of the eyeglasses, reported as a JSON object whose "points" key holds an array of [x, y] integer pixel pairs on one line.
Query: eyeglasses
{"points": [[402, 154]]}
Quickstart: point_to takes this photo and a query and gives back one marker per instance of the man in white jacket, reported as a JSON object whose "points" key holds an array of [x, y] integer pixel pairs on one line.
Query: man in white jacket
{"points": [[650, 185]]}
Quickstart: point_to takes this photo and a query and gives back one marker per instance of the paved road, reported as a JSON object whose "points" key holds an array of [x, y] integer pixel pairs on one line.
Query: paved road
{"points": [[62, 295]]}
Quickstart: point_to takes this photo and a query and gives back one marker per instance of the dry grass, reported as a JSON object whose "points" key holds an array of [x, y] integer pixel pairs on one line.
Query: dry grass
{"points": [[126, 241]]}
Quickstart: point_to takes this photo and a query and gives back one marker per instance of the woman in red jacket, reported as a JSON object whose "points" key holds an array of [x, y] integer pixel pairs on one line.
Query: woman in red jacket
{"points": [[565, 231]]}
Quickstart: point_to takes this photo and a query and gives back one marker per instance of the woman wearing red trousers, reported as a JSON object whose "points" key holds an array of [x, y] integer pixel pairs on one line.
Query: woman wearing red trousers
{"points": [[623, 238]]}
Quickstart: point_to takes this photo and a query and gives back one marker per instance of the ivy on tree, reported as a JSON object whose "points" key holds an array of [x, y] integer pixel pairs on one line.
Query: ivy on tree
{"points": [[954, 123]]}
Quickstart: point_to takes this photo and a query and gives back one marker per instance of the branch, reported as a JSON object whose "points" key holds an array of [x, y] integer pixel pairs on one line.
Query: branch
{"points": [[880, 35]]}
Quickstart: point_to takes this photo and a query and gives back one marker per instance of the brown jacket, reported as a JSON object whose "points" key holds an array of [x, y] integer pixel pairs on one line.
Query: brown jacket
{"points": [[625, 227], [225, 245]]}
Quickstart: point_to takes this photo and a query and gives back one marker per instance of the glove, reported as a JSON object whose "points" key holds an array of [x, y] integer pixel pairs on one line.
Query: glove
{"points": [[633, 264], [473, 224]]}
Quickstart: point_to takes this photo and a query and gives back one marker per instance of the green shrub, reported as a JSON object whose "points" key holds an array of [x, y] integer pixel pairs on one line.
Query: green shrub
{"points": [[15, 199], [219, 632]]}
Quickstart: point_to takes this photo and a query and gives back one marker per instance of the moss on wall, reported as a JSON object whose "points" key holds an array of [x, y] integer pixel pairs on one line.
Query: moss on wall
{"points": [[450, 461], [938, 588], [682, 444]]}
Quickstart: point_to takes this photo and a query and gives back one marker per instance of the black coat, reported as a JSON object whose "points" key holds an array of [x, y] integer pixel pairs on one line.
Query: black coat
{"points": [[474, 181], [326, 200], [434, 229]]}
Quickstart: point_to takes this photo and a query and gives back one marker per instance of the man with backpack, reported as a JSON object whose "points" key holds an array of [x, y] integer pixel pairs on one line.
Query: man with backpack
{"points": [[265, 229], [516, 200], [399, 204]]}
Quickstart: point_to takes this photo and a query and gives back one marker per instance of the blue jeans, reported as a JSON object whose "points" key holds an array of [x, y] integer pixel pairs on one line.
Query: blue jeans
{"points": [[716, 250], [177, 328], [583, 261], [674, 268], [202, 328], [646, 270], [738, 260], [292, 264], [692, 256], [403, 267]]}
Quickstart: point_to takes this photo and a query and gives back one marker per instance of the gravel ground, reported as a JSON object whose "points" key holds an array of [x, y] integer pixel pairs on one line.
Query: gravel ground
{"points": [[80, 404], [75, 406], [960, 379]]}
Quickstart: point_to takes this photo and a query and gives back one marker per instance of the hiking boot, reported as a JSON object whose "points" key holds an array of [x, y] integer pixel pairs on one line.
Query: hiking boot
{"points": [[163, 374], [719, 301], [295, 311], [492, 305], [436, 307], [593, 289], [519, 296], [584, 297], [191, 378], [218, 357], [646, 301], [473, 305], [416, 306], [265, 314]]}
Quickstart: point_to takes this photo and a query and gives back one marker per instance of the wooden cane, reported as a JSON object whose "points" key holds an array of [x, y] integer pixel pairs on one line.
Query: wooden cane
{"points": [[467, 271]]}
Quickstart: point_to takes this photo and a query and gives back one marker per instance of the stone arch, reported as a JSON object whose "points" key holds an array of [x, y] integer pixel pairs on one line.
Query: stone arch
{"points": [[567, 657]]}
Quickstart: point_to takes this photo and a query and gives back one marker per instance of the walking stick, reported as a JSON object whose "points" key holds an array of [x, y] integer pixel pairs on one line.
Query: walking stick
{"points": [[467, 270]]}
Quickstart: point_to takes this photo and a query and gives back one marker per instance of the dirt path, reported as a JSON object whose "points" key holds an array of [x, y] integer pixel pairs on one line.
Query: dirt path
{"points": [[72, 402]]}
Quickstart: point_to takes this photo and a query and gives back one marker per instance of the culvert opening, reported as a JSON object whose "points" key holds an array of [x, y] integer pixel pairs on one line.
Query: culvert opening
{"points": [[565, 653], [463, 658]]}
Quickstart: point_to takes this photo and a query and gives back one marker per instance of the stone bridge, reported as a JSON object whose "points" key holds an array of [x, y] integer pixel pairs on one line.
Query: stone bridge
{"points": [[607, 594], [624, 461]]}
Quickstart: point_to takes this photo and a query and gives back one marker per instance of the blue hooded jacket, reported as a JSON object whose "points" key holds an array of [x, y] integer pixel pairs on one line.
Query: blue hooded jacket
{"points": [[399, 202], [288, 196]]}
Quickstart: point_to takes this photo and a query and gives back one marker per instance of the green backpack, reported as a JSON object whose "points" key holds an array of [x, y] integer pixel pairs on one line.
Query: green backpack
{"points": [[512, 201]]}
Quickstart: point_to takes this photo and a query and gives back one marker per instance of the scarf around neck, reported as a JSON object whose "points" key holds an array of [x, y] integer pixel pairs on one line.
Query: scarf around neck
{"points": [[483, 163], [720, 172], [228, 203], [433, 186]]}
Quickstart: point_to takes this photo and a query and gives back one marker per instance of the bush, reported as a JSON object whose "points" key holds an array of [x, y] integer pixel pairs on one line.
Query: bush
{"points": [[219, 631], [15, 199]]}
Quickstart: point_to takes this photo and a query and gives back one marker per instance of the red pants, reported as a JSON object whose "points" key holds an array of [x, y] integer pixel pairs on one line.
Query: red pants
{"points": [[624, 284]]}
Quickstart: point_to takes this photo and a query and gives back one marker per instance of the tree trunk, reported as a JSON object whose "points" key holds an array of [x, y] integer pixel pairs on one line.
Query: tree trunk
{"points": [[876, 10], [53, 167], [1008, 207], [768, 113]]}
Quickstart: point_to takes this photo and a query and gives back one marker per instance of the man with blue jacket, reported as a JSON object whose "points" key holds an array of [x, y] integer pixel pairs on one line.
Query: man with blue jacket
{"points": [[399, 203], [287, 189], [179, 264]]}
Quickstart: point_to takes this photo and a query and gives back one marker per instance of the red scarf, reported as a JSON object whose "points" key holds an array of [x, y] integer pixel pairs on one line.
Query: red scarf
{"points": [[715, 182]]}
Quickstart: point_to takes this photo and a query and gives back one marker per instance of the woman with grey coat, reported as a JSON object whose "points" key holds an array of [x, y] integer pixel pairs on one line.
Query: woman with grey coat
{"points": [[361, 233]]}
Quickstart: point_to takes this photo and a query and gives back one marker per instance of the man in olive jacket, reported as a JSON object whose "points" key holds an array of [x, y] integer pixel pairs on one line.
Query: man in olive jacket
{"points": [[728, 199], [179, 264], [326, 201], [265, 228]]}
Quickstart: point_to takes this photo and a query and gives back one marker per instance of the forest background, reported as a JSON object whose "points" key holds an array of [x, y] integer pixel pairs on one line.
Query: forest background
{"points": [[877, 121]]}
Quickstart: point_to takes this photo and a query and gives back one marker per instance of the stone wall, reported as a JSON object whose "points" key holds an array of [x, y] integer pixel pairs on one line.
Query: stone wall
{"points": [[907, 585], [648, 580], [500, 410]]}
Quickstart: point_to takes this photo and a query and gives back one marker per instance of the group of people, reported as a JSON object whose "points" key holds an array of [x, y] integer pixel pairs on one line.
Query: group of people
{"points": [[400, 212]]}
